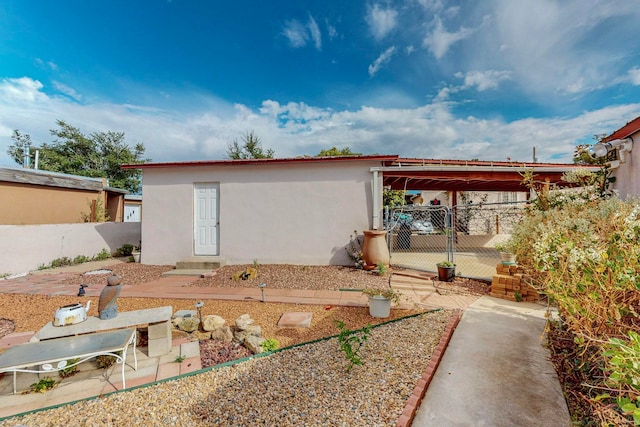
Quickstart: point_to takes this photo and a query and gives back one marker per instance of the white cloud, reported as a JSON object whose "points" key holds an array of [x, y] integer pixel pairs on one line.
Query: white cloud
{"points": [[332, 32], [296, 33], [300, 34], [67, 90], [314, 31], [440, 40], [381, 21], [383, 59], [634, 76], [292, 129], [483, 80]]}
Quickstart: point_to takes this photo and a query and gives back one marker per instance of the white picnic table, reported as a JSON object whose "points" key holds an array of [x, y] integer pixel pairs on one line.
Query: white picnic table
{"points": [[52, 355]]}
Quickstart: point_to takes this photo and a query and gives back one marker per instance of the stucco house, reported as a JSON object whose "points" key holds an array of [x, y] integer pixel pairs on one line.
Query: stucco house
{"points": [[30, 196], [293, 210], [625, 161]]}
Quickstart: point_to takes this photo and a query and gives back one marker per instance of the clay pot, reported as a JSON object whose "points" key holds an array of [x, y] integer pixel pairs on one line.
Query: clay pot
{"points": [[374, 249]]}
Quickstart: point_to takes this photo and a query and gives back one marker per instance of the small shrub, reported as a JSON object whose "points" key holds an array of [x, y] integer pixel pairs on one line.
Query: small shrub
{"points": [[446, 264], [102, 255], [46, 383], [80, 259], [69, 371], [60, 262], [105, 361], [179, 359], [124, 250], [352, 342], [354, 250], [382, 269], [270, 344]]}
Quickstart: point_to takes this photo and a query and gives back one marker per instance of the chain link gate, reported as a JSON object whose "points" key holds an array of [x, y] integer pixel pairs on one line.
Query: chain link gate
{"points": [[421, 236]]}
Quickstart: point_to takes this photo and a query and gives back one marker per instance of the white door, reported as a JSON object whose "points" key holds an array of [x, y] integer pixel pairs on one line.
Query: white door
{"points": [[205, 199], [131, 213]]}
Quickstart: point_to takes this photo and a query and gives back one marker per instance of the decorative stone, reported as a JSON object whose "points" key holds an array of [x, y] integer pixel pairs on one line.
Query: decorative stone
{"points": [[254, 344], [189, 324], [212, 322], [199, 335], [252, 330], [107, 304], [223, 334], [244, 321]]}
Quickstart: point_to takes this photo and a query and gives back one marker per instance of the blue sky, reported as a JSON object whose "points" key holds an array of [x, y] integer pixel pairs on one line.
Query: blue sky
{"points": [[418, 78]]}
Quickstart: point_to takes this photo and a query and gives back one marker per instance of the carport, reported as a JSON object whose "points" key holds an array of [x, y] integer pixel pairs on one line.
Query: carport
{"points": [[475, 255]]}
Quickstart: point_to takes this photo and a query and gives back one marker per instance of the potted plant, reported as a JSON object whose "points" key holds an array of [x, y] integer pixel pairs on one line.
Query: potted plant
{"points": [[446, 271], [135, 253], [506, 253], [380, 301]]}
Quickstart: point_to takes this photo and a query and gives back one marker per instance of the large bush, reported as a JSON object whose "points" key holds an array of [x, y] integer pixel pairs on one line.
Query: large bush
{"points": [[583, 252]]}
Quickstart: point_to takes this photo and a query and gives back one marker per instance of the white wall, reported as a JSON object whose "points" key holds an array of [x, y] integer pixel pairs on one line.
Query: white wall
{"points": [[628, 174], [273, 213], [26, 247]]}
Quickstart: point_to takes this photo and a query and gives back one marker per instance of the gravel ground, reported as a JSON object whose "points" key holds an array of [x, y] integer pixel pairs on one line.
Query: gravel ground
{"points": [[307, 385]]}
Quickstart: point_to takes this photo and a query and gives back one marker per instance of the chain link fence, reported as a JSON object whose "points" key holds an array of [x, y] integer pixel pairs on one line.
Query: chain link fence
{"points": [[421, 236]]}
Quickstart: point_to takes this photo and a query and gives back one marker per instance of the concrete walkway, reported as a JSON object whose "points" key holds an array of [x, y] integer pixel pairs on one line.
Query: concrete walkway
{"points": [[495, 372]]}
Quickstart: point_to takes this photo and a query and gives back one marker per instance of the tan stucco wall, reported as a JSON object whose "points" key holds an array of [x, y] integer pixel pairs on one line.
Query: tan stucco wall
{"points": [[628, 174], [286, 213], [28, 204]]}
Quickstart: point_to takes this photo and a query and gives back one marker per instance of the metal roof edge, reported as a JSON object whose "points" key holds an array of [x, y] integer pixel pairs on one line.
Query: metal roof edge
{"points": [[233, 162]]}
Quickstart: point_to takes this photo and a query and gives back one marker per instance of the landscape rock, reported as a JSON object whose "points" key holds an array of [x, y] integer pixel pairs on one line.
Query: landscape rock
{"points": [[199, 335], [189, 324], [254, 344], [223, 334], [252, 330], [244, 321], [212, 322]]}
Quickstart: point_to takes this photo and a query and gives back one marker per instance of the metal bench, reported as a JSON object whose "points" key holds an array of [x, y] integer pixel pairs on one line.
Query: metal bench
{"points": [[52, 355]]}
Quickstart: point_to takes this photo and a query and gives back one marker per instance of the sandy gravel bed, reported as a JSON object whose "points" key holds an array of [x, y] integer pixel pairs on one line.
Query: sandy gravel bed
{"points": [[308, 385]]}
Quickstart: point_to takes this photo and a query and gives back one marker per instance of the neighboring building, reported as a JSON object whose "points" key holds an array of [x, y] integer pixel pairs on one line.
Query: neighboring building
{"points": [[29, 196], [296, 210], [624, 159], [132, 208]]}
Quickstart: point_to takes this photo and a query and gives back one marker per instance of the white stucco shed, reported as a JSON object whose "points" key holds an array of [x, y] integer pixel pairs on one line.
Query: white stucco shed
{"points": [[274, 211]]}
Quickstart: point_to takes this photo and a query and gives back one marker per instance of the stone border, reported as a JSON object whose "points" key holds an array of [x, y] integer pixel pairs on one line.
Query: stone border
{"points": [[420, 389]]}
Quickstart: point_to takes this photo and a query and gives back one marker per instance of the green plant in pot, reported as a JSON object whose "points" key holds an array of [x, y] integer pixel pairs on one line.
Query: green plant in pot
{"points": [[446, 271], [380, 301], [507, 255]]}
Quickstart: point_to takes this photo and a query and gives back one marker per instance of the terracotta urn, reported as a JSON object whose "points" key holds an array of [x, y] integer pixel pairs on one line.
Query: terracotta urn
{"points": [[374, 249]]}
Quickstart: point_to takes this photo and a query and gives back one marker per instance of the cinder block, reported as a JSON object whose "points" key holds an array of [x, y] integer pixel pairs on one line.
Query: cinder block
{"points": [[159, 346], [159, 330]]}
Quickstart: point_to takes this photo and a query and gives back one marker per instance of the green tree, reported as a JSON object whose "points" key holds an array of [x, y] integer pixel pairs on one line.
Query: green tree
{"points": [[22, 143], [98, 155], [333, 151], [251, 148], [393, 198]]}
